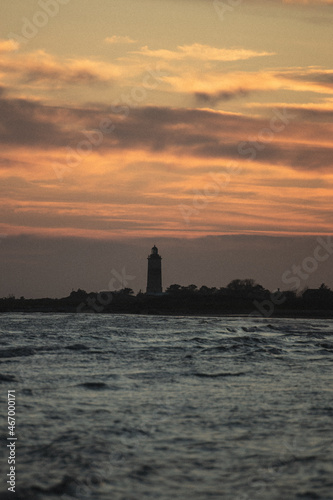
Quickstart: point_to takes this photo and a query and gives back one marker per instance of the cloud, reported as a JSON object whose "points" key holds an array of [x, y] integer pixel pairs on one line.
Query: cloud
{"points": [[318, 112], [201, 52], [196, 133], [29, 123], [41, 68], [213, 99], [8, 46], [316, 77], [217, 86], [116, 39]]}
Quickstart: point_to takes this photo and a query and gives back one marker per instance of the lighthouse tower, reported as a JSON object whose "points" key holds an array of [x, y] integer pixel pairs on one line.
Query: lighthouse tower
{"points": [[154, 277]]}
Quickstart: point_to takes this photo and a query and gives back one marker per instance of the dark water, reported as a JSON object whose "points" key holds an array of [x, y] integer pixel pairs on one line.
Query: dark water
{"points": [[142, 407]]}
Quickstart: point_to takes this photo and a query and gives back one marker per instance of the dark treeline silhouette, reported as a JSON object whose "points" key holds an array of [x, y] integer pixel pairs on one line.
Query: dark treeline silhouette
{"points": [[239, 297]]}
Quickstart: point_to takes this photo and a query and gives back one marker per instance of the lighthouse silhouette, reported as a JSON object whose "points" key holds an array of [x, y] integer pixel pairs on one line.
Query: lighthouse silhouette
{"points": [[154, 277]]}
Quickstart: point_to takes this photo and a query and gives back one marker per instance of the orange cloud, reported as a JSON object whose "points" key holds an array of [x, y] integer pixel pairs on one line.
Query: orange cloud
{"points": [[117, 39], [8, 46], [201, 52], [137, 177], [279, 139], [40, 68], [318, 112], [217, 87], [117, 195]]}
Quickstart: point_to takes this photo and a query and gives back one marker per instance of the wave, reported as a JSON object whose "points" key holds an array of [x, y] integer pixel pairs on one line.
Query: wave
{"points": [[218, 375], [77, 347], [15, 352], [7, 378], [94, 385]]}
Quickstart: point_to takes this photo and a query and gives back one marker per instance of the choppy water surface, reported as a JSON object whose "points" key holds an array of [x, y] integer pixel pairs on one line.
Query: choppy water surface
{"points": [[141, 407]]}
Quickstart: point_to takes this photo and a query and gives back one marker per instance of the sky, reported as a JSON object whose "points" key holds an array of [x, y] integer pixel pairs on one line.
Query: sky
{"points": [[201, 126]]}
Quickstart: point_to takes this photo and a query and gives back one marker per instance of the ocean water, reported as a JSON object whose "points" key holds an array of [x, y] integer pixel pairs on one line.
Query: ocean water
{"points": [[128, 407]]}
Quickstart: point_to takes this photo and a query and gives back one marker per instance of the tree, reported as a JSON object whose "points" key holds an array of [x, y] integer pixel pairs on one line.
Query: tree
{"points": [[126, 291], [80, 293], [173, 289], [242, 285]]}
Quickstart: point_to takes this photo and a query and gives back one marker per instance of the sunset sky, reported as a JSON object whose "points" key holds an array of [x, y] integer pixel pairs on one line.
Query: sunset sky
{"points": [[202, 126]]}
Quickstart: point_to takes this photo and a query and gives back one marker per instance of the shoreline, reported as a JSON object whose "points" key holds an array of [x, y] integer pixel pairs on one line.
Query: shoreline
{"points": [[284, 314]]}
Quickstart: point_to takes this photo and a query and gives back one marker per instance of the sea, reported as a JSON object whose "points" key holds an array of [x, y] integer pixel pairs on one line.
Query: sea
{"points": [[135, 407]]}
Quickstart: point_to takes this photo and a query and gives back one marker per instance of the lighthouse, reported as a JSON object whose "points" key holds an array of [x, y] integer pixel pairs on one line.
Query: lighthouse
{"points": [[154, 277]]}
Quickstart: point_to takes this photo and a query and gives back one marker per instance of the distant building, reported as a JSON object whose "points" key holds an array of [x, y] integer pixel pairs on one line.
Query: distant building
{"points": [[154, 277], [318, 296]]}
